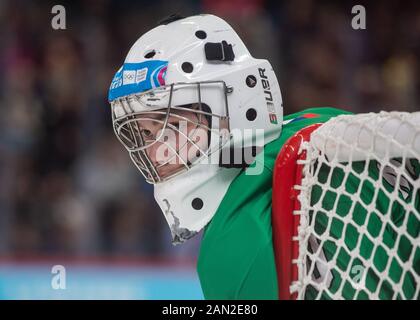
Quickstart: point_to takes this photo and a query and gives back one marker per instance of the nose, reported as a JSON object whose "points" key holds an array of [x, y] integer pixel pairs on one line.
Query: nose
{"points": [[152, 152]]}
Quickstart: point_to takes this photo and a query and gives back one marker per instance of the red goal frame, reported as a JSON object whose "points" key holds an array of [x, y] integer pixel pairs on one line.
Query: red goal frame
{"points": [[287, 173]]}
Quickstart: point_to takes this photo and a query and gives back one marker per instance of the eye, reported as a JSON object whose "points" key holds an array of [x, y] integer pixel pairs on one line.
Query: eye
{"points": [[146, 133]]}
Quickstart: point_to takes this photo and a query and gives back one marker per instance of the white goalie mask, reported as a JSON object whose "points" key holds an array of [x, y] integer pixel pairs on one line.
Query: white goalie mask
{"points": [[188, 97]]}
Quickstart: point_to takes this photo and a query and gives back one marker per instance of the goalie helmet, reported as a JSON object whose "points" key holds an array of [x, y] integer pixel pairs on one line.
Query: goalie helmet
{"points": [[189, 98]]}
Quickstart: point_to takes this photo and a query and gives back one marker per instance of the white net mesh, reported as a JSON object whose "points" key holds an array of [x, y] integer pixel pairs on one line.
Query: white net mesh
{"points": [[360, 209]]}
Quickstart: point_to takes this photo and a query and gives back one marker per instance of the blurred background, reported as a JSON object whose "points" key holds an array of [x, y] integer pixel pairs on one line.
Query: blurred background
{"points": [[69, 193]]}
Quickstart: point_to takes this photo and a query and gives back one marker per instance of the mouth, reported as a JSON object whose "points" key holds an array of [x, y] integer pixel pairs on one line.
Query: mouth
{"points": [[168, 169]]}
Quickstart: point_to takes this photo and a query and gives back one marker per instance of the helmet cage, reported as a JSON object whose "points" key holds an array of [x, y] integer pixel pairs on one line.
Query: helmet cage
{"points": [[155, 106]]}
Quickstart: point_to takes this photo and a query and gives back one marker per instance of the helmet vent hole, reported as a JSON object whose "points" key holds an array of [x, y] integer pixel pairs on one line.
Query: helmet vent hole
{"points": [[251, 81], [150, 54], [251, 114], [187, 67], [200, 34], [197, 203]]}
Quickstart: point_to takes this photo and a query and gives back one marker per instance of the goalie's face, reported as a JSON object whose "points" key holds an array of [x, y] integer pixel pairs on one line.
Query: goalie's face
{"points": [[163, 143]]}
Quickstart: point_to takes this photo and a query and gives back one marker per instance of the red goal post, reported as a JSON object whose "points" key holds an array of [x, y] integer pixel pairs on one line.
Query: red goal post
{"points": [[339, 143], [287, 174]]}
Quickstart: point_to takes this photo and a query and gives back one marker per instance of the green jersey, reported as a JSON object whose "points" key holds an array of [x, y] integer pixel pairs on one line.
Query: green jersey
{"points": [[236, 259]]}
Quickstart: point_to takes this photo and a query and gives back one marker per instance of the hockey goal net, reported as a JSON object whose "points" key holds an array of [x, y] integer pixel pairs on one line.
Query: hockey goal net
{"points": [[346, 209]]}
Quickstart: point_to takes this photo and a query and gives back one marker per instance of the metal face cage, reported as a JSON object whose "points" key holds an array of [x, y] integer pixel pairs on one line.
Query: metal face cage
{"points": [[166, 138]]}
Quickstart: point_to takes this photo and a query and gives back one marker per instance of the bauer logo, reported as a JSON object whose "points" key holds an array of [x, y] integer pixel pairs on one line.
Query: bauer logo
{"points": [[268, 96]]}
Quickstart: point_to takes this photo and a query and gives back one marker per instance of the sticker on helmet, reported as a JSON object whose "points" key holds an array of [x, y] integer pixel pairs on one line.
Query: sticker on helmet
{"points": [[137, 77]]}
